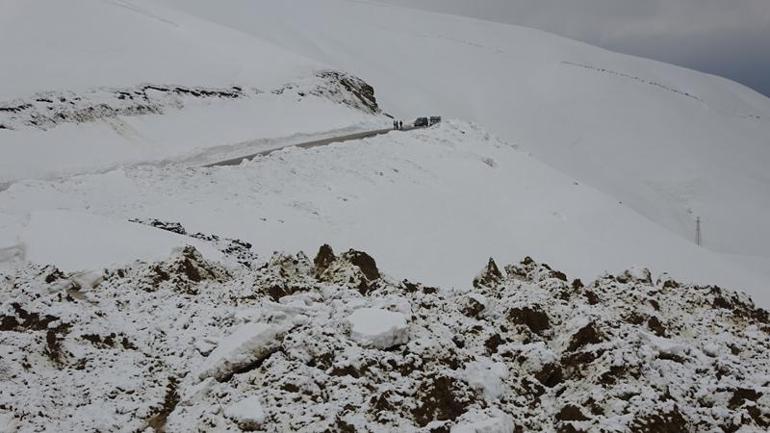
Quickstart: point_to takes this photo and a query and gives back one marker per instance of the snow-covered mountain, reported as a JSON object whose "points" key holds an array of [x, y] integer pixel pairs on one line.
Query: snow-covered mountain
{"points": [[140, 290], [672, 143]]}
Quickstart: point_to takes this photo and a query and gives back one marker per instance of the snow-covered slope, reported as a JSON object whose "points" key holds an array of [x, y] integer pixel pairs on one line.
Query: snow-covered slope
{"points": [[91, 84], [431, 204], [671, 143]]}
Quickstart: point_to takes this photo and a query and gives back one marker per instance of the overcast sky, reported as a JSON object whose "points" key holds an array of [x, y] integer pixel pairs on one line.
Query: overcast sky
{"points": [[724, 37]]}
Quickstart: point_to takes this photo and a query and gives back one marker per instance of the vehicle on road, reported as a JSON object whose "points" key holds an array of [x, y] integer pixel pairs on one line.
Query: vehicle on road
{"points": [[434, 120], [421, 122]]}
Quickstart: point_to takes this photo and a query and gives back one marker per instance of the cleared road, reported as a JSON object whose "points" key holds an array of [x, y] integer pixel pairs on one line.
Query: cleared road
{"points": [[308, 145]]}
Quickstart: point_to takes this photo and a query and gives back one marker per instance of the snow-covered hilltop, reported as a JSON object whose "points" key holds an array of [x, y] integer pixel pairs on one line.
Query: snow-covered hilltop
{"points": [[332, 344]]}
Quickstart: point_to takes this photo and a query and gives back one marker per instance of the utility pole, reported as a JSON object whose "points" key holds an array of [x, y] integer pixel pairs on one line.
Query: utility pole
{"points": [[698, 238]]}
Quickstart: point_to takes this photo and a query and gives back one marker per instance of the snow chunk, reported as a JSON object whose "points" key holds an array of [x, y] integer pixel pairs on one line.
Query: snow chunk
{"points": [[378, 328], [487, 376], [248, 344], [664, 345], [8, 423], [247, 413], [500, 423]]}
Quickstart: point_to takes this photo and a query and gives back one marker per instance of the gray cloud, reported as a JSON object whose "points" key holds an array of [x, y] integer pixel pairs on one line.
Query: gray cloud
{"points": [[724, 37]]}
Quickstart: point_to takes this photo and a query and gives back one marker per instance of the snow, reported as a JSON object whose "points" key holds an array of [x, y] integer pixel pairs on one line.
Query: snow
{"points": [[247, 344], [247, 412], [8, 423], [487, 376], [78, 241], [375, 327], [199, 133], [670, 143], [499, 424], [396, 186]]}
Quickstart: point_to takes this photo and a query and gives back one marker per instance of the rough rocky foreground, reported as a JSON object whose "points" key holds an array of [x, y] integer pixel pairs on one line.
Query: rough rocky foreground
{"points": [[332, 345]]}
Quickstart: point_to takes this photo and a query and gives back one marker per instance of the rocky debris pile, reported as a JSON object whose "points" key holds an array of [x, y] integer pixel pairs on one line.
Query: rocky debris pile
{"points": [[333, 345]]}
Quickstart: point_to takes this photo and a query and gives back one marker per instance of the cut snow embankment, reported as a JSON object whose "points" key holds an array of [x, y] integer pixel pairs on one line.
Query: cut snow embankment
{"points": [[430, 204]]}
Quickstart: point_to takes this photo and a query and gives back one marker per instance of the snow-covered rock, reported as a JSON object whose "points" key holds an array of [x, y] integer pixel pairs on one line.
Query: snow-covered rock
{"points": [[247, 413], [378, 328], [483, 423], [611, 356], [487, 376]]}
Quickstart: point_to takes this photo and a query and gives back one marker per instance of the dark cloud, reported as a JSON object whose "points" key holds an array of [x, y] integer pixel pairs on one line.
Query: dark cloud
{"points": [[724, 37]]}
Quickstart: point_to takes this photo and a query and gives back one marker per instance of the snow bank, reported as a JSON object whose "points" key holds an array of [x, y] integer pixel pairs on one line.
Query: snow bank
{"points": [[378, 328]]}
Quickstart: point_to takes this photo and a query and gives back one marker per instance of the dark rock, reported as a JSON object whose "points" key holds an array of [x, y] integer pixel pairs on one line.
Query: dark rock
{"points": [[551, 375], [323, 259], [741, 395], [655, 326], [532, 317], [441, 399], [489, 277], [591, 297], [492, 343], [663, 422], [364, 262], [571, 413], [585, 336]]}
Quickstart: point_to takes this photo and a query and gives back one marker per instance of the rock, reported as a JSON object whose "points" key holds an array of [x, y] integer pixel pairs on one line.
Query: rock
{"points": [[375, 327], [364, 262], [551, 375], [670, 421], [532, 317], [441, 399], [489, 277], [571, 413], [324, 259], [247, 413], [585, 336]]}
